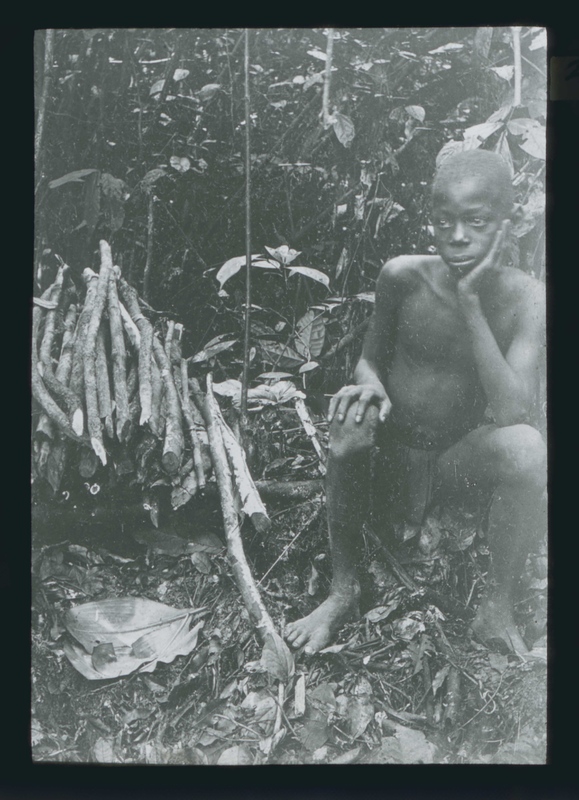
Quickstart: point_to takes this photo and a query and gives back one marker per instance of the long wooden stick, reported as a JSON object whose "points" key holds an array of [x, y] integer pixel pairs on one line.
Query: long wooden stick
{"points": [[242, 572], [77, 371], [190, 420], [245, 378], [173, 444], [119, 355], [103, 384], [129, 295], [89, 354]]}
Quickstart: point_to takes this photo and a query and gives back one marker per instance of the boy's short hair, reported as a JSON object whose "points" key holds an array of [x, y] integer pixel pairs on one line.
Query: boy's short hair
{"points": [[478, 163]]}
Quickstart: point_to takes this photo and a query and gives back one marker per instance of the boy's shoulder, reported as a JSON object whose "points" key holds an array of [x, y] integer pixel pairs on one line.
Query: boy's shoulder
{"points": [[520, 284], [408, 267]]}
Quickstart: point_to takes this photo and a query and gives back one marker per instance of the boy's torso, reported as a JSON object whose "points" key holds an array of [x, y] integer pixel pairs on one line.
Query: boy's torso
{"points": [[432, 379]]}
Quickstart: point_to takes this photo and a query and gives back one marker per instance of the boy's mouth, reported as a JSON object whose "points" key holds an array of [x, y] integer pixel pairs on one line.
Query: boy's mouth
{"points": [[461, 261]]}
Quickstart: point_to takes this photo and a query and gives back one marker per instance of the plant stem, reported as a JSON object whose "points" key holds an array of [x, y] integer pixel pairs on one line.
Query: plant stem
{"points": [[327, 78], [516, 32], [149, 260], [247, 239]]}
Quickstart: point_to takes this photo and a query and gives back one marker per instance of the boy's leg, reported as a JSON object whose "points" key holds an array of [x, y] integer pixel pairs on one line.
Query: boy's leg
{"points": [[511, 461], [347, 498]]}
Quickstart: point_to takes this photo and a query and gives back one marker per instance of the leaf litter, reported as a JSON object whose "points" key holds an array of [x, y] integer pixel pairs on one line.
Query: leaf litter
{"points": [[378, 694]]}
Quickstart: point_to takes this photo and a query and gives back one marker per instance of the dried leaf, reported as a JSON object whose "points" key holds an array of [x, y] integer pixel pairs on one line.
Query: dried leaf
{"points": [[104, 751], [414, 746], [344, 129], [300, 696], [416, 112], [506, 72], [359, 715], [71, 177], [350, 757], [237, 756], [171, 545], [201, 563], [157, 87], [208, 91], [180, 163], [180, 74], [407, 628], [380, 613], [314, 734], [211, 351], [451, 47], [313, 582], [138, 633], [183, 493], [277, 659], [439, 678]]}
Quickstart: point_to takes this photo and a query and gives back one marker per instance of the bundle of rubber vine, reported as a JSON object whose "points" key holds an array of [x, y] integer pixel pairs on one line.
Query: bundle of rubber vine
{"points": [[100, 373]]}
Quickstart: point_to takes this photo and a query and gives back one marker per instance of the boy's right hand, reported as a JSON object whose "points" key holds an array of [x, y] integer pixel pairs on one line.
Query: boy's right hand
{"points": [[363, 395]]}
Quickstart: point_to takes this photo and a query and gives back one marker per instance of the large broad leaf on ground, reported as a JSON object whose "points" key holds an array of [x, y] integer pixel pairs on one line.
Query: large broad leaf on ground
{"points": [[125, 634]]}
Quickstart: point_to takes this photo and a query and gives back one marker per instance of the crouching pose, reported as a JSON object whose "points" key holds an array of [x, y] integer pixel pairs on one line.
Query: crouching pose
{"points": [[449, 369]]}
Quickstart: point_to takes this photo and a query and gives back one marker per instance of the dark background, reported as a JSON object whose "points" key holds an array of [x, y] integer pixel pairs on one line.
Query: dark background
{"points": [[19, 778]]}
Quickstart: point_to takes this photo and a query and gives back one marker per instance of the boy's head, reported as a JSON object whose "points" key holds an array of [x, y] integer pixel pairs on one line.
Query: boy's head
{"points": [[471, 196]]}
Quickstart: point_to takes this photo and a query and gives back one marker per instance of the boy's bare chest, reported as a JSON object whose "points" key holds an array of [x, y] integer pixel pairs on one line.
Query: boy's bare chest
{"points": [[433, 330]]}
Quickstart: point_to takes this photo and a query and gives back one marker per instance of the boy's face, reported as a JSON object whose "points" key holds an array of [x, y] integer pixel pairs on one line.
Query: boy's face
{"points": [[467, 214]]}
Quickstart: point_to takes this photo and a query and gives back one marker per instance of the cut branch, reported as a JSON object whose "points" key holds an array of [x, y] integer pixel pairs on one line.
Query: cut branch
{"points": [[119, 356], [129, 295], [173, 444], [39, 390], [310, 430], [103, 384], [77, 371], [190, 420], [244, 578], [89, 354], [244, 484]]}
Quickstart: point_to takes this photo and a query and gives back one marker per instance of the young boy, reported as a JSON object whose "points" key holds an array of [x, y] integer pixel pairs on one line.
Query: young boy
{"points": [[450, 365]]}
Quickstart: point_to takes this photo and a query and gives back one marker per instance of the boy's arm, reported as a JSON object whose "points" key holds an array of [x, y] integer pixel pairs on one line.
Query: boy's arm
{"points": [[368, 388], [508, 380]]}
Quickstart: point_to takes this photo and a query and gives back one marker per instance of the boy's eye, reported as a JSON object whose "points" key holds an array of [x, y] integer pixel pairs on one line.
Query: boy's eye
{"points": [[478, 222], [443, 223]]}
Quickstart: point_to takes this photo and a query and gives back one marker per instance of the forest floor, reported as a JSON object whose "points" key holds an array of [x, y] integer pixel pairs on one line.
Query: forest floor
{"points": [[404, 684]]}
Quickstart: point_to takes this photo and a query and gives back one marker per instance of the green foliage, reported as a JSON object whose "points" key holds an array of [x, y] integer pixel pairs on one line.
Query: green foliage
{"points": [[141, 114]]}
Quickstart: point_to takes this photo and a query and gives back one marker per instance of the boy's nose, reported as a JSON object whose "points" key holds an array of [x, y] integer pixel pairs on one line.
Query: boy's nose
{"points": [[458, 233]]}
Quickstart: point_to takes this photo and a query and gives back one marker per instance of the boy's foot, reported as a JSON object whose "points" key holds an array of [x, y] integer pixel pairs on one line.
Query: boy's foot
{"points": [[495, 627], [316, 631]]}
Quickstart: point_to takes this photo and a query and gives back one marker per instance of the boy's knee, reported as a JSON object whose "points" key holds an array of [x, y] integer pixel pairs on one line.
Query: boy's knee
{"points": [[350, 438], [521, 455]]}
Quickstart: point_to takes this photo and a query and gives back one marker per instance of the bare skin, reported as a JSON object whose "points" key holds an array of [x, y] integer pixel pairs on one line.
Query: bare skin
{"points": [[451, 335]]}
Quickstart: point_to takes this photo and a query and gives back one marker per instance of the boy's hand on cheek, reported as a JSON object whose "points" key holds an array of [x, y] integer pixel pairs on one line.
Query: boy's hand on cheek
{"points": [[469, 286]]}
